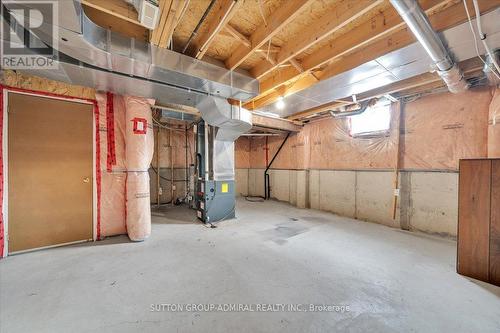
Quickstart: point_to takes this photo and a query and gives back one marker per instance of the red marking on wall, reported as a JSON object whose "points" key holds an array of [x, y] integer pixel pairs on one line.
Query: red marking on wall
{"points": [[97, 169], [140, 125], [110, 124], [1, 174]]}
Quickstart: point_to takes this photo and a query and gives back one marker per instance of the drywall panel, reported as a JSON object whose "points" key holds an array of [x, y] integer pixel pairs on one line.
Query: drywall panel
{"points": [[280, 184], [256, 182], [241, 181], [314, 186], [374, 197], [337, 192], [434, 202]]}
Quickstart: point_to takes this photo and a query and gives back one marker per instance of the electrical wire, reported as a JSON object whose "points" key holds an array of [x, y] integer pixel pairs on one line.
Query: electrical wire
{"points": [[165, 178], [158, 124], [475, 39]]}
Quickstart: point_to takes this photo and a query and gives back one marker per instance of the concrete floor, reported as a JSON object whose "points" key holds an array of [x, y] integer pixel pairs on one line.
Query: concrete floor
{"points": [[392, 281]]}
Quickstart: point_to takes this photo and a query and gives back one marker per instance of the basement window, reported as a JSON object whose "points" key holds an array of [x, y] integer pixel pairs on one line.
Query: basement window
{"points": [[375, 121]]}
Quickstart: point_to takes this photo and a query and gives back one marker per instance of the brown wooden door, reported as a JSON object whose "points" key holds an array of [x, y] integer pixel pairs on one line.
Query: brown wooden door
{"points": [[495, 223], [50, 167], [474, 218]]}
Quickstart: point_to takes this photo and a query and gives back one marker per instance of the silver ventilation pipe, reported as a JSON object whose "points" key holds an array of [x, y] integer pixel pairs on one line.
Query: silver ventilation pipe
{"points": [[489, 66], [353, 110], [419, 24]]}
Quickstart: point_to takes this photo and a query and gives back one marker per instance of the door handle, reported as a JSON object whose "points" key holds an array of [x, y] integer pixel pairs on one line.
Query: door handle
{"points": [[86, 179]]}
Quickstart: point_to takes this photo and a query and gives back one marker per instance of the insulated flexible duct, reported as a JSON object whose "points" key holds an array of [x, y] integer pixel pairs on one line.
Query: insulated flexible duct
{"points": [[420, 26], [139, 143]]}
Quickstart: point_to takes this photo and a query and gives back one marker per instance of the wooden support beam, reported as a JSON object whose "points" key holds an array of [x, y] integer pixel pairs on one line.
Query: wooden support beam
{"points": [[170, 14], [313, 111], [224, 11], [279, 19], [116, 8], [275, 123], [444, 15], [345, 13]]}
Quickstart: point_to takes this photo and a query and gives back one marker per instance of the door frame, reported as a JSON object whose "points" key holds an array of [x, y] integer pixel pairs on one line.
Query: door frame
{"points": [[96, 175]]}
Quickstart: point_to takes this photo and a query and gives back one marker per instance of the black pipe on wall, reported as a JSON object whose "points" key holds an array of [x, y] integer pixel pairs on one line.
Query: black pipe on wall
{"points": [[267, 189]]}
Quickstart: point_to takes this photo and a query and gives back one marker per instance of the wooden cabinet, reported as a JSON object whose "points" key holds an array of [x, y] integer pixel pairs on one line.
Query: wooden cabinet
{"points": [[478, 253]]}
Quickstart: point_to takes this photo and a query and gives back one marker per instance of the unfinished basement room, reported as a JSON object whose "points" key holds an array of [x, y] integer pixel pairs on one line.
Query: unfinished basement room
{"points": [[250, 166]]}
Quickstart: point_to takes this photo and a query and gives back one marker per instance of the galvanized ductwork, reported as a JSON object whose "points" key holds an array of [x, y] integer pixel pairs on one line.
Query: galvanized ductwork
{"points": [[83, 40], [230, 122], [352, 110], [419, 24]]}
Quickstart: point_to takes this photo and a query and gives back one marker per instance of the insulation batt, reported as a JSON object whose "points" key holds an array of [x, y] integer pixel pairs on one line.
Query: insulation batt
{"points": [[139, 148], [112, 183]]}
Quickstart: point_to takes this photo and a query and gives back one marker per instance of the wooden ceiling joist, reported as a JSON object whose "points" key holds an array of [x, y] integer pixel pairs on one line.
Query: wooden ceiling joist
{"points": [[451, 14], [345, 13], [275, 123], [170, 14], [224, 12], [116, 8], [275, 22], [378, 27]]}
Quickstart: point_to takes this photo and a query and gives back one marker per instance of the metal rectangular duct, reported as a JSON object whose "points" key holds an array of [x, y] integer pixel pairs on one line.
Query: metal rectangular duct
{"points": [[91, 44]]}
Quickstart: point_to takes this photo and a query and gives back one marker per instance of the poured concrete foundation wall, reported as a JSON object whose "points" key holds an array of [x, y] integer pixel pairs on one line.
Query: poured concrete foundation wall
{"points": [[428, 199], [241, 181], [323, 167]]}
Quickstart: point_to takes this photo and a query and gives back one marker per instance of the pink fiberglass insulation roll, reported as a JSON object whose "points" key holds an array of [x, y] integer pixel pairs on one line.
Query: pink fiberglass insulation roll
{"points": [[112, 181], [139, 147], [113, 203]]}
